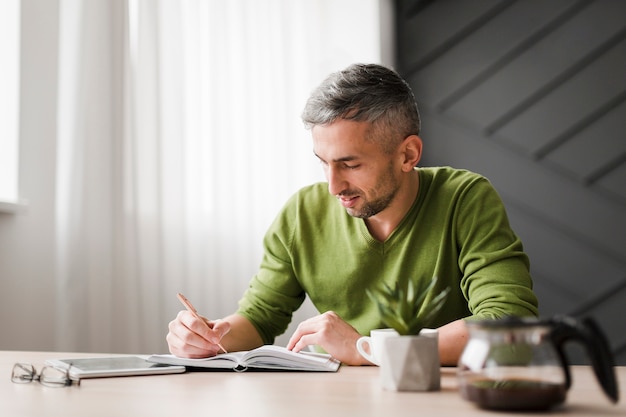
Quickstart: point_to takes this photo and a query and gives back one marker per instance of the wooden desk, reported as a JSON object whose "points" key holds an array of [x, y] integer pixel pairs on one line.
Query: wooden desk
{"points": [[350, 392]]}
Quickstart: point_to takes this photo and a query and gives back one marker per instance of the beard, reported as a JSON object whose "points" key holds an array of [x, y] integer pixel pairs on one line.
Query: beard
{"points": [[387, 187]]}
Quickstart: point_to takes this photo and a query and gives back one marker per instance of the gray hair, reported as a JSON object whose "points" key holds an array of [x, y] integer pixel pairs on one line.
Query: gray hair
{"points": [[370, 93]]}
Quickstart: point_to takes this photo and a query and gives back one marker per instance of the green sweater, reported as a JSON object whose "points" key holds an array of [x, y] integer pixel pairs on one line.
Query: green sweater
{"points": [[457, 230]]}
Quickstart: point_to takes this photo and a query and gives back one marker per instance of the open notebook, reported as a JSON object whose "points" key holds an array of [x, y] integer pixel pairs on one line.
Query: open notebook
{"points": [[268, 357]]}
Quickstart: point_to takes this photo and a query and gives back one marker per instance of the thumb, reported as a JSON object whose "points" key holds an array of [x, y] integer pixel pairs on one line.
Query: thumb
{"points": [[220, 329]]}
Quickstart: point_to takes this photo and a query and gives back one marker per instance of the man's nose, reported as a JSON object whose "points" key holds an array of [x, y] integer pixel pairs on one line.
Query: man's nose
{"points": [[336, 182]]}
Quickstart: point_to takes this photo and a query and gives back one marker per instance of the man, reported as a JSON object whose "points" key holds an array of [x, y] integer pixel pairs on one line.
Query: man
{"points": [[378, 218]]}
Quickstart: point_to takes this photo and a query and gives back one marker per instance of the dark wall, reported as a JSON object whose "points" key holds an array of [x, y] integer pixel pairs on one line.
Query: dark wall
{"points": [[532, 94]]}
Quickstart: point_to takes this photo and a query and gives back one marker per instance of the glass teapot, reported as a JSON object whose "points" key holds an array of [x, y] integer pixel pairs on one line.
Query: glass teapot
{"points": [[520, 364]]}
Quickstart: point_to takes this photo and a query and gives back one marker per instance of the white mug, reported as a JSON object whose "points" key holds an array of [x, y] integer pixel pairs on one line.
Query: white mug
{"points": [[375, 343]]}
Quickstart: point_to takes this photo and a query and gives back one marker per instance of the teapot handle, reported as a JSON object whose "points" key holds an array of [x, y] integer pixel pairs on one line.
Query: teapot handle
{"points": [[588, 333]]}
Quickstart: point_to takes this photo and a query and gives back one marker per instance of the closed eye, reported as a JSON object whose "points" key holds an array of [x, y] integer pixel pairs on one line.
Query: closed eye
{"points": [[345, 162]]}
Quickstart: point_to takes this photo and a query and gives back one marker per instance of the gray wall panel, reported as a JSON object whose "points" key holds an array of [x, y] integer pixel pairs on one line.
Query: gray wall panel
{"points": [[532, 94]]}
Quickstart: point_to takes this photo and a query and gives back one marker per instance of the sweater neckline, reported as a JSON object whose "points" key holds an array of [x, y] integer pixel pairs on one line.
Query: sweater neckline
{"points": [[407, 221]]}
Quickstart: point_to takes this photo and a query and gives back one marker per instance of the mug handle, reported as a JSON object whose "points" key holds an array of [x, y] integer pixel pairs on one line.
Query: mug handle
{"points": [[359, 346]]}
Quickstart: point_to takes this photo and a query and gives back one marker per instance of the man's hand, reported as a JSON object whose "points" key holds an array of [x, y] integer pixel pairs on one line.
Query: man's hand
{"points": [[190, 337], [333, 334], [338, 338]]}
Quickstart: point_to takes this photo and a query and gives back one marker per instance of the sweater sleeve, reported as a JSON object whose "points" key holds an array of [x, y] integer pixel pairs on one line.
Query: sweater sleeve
{"points": [[495, 270], [274, 293]]}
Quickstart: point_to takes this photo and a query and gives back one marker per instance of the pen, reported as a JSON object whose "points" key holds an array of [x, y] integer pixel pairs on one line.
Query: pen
{"points": [[193, 311]]}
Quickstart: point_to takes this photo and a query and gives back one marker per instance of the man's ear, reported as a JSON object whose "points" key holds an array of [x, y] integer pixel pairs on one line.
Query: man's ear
{"points": [[412, 152]]}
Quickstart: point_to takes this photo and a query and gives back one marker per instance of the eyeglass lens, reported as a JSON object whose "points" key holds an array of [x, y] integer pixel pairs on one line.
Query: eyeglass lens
{"points": [[24, 373]]}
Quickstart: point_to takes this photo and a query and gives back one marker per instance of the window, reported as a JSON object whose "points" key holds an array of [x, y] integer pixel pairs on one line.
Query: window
{"points": [[9, 102]]}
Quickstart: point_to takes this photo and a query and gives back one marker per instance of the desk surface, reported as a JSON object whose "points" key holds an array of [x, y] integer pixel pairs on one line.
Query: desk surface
{"points": [[351, 391]]}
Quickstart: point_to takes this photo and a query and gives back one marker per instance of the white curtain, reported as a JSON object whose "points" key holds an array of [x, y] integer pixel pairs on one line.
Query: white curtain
{"points": [[179, 139]]}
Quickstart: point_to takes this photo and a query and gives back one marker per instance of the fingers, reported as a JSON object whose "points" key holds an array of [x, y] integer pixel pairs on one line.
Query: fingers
{"points": [[295, 341], [195, 338], [307, 333], [330, 332]]}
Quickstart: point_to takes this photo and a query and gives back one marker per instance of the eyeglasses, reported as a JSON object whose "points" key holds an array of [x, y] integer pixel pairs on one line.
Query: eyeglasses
{"points": [[24, 373]]}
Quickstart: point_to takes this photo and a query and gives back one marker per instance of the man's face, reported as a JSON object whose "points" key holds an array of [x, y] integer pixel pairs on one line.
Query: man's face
{"points": [[358, 172]]}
